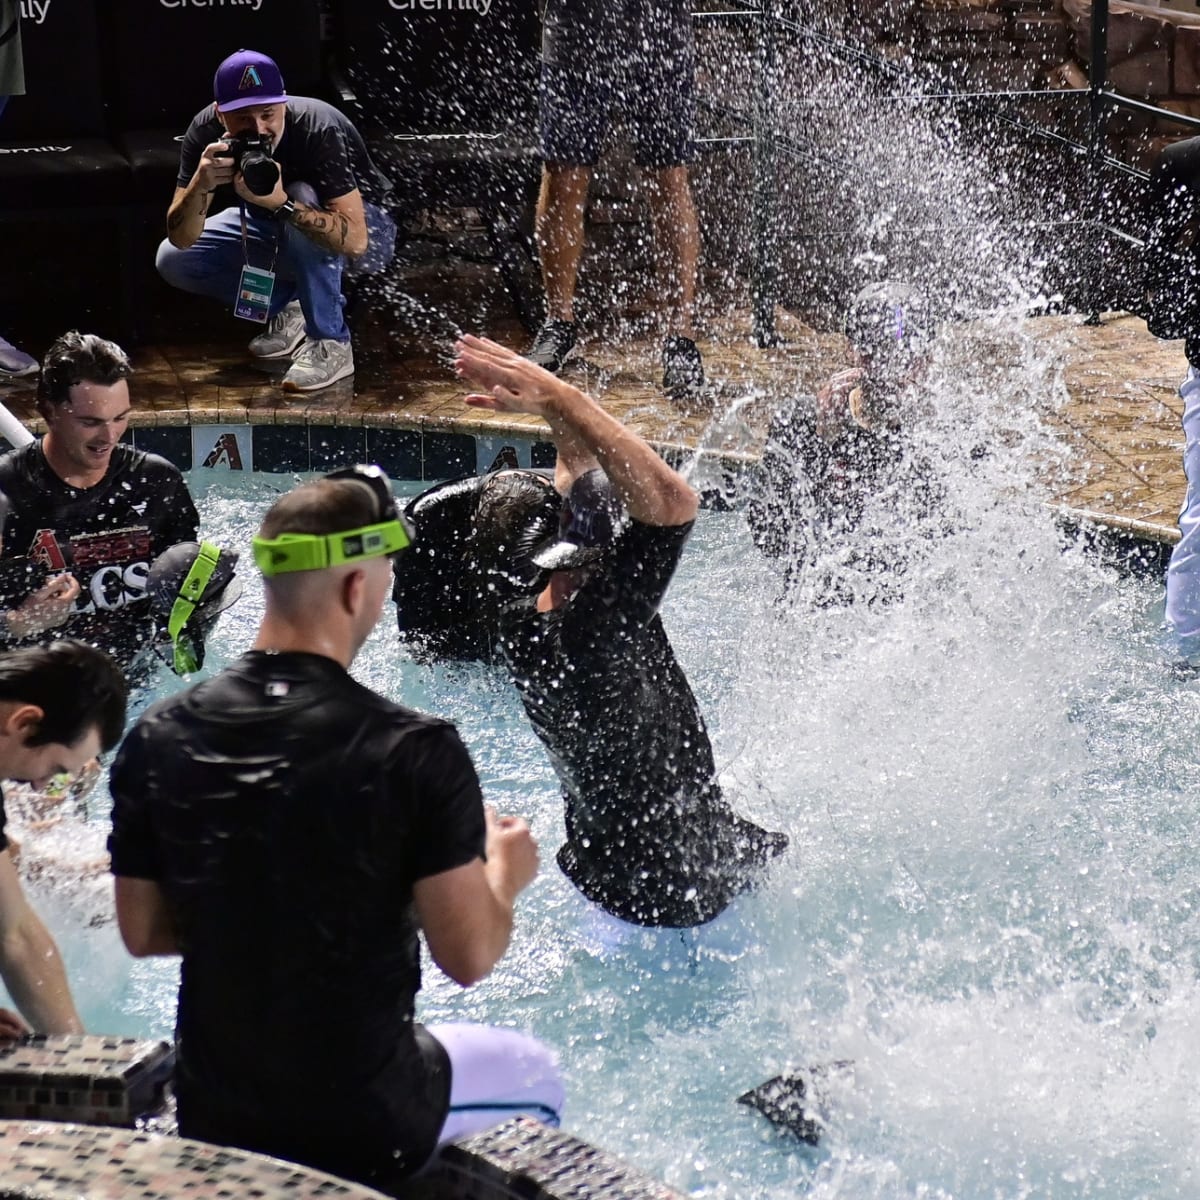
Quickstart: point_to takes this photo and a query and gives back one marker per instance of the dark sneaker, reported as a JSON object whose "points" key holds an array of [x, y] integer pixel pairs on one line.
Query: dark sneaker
{"points": [[683, 368], [553, 344]]}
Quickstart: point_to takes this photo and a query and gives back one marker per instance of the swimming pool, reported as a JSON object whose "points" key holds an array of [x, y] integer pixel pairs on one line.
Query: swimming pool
{"points": [[989, 904]]}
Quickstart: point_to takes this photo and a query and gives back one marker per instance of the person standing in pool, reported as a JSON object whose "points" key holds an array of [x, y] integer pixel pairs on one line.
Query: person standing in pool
{"points": [[650, 837], [87, 504], [289, 833]]}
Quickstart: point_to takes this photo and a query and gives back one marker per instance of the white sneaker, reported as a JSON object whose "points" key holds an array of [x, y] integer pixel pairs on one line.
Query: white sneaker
{"points": [[282, 335], [318, 363], [14, 363]]}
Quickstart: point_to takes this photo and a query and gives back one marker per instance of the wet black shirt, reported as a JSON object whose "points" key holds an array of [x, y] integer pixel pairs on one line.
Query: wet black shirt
{"points": [[649, 836], [106, 536], [286, 811], [320, 146], [813, 497]]}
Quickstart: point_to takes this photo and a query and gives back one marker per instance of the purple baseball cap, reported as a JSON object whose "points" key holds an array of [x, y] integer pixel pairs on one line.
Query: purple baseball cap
{"points": [[247, 78]]}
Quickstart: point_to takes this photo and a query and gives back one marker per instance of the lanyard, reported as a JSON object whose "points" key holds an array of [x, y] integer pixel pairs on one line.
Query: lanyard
{"points": [[246, 241]]}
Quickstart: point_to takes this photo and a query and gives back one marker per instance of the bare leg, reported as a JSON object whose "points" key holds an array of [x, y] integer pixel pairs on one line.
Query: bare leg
{"points": [[560, 211], [677, 242]]}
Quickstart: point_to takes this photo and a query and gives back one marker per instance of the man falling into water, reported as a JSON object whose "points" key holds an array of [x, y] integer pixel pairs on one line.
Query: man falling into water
{"points": [[650, 838]]}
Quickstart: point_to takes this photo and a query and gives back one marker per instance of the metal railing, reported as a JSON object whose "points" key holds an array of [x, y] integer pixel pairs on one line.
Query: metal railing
{"points": [[769, 141]]}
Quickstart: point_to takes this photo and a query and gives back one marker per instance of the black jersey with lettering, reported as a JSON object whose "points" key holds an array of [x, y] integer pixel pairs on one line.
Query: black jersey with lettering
{"points": [[285, 812], [106, 536]]}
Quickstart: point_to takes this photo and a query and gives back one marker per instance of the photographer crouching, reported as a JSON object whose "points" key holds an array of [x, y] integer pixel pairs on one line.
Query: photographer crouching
{"points": [[295, 198]]}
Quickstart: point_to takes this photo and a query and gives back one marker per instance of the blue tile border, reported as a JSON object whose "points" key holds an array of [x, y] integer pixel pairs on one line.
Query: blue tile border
{"points": [[397, 451], [172, 442], [280, 448], [445, 455], [335, 446], [407, 455]]}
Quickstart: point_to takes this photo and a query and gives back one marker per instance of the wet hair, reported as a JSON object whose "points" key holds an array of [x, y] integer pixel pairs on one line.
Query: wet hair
{"points": [[79, 358], [322, 507], [77, 687], [516, 511], [470, 559]]}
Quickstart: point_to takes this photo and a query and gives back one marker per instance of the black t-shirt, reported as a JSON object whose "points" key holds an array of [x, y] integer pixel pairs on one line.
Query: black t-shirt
{"points": [[286, 811], [106, 536], [3, 824], [649, 836], [319, 146], [819, 500]]}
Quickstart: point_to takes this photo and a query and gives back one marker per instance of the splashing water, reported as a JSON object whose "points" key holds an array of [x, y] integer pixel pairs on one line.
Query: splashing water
{"points": [[990, 901]]}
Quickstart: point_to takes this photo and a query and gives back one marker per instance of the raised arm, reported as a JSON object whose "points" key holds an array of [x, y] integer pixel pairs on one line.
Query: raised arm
{"points": [[30, 964], [189, 206], [653, 492]]}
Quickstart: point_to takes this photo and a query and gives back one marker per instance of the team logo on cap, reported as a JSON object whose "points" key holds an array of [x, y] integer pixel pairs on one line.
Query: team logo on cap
{"points": [[250, 79]]}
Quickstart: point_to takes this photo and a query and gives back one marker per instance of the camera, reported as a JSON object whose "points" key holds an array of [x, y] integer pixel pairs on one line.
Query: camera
{"points": [[252, 157]]}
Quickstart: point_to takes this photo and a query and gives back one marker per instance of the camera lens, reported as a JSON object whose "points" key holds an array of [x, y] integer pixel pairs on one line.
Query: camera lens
{"points": [[259, 170]]}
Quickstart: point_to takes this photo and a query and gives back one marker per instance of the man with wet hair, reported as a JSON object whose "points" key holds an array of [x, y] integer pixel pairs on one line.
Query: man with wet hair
{"points": [[295, 202], [828, 458], [637, 55], [650, 837], [289, 832], [88, 505], [450, 591], [60, 706]]}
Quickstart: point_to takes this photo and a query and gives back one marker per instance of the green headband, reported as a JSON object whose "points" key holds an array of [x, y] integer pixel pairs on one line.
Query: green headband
{"points": [[190, 592], [314, 551]]}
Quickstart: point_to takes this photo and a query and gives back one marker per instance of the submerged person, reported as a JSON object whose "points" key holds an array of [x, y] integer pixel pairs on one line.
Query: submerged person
{"points": [[650, 837], [86, 504], [829, 460], [290, 832]]}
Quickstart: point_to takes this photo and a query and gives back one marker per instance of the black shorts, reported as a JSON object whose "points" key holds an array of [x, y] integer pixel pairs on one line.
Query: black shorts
{"points": [[634, 56]]}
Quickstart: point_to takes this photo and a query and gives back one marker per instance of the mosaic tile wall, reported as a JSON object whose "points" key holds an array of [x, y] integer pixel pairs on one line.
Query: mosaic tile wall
{"points": [[87, 1077], [519, 1160], [402, 453]]}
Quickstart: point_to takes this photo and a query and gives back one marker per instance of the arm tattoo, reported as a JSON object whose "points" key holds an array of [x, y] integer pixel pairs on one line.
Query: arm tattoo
{"points": [[331, 229]]}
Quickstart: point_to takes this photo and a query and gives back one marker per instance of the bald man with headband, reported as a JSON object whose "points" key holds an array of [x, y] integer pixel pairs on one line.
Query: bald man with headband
{"points": [[289, 832]]}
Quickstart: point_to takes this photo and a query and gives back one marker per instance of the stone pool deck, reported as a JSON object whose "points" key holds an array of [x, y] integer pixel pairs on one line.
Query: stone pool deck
{"points": [[1118, 411]]}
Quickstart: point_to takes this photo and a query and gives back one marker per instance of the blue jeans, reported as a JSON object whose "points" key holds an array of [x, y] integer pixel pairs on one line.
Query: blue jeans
{"points": [[304, 271]]}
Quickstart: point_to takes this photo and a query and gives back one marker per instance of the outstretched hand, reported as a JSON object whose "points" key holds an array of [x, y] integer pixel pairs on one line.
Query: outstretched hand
{"points": [[507, 382]]}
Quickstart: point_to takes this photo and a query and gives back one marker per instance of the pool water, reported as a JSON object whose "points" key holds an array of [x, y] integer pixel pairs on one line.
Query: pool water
{"points": [[989, 905]]}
